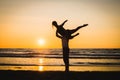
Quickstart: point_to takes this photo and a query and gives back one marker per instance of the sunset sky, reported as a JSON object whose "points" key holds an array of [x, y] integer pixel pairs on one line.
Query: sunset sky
{"points": [[24, 23]]}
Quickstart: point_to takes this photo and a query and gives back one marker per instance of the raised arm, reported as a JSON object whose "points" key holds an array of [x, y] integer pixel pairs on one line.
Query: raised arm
{"points": [[64, 22], [57, 34]]}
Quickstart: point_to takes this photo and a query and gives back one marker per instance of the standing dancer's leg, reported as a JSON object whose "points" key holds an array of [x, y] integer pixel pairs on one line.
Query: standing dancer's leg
{"points": [[66, 58], [65, 53]]}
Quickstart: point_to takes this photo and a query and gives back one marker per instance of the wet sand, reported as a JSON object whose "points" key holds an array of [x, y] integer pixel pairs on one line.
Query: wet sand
{"points": [[58, 75]]}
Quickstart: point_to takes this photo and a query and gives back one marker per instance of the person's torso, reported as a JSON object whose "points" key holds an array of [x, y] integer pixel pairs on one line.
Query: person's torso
{"points": [[63, 32]]}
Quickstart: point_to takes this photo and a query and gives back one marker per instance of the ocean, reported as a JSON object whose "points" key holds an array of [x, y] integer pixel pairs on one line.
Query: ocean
{"points": [[51, 59]]}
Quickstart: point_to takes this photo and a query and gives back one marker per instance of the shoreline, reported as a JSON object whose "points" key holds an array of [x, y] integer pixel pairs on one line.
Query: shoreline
{"points": [[58, 75]]}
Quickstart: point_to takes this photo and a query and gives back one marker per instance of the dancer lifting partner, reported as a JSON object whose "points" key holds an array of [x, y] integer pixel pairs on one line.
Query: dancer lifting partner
{"points": [[65, 35]]}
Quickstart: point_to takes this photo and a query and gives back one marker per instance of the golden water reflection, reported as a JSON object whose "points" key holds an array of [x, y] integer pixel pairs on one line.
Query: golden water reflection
{"points": [[41, 60], [41, 68], [43, 64]]}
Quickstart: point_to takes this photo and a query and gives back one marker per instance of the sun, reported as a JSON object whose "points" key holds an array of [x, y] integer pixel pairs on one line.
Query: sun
{"points": [[41, 41]]}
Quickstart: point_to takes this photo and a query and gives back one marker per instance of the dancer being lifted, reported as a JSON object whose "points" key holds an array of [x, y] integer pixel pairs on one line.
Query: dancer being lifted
{"points": [[65, 35]]}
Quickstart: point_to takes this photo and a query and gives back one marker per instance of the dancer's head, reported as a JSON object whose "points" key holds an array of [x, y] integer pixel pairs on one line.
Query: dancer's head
{"points": [[54, 23]]}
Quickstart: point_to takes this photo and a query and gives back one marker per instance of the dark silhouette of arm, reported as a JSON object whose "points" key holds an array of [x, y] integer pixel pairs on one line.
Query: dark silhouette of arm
{"points": [[73, 36], [64, 22], [57, 34]]}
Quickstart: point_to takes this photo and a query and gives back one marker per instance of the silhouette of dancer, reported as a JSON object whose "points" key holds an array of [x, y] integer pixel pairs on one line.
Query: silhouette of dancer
{"points": [[65, 35]]}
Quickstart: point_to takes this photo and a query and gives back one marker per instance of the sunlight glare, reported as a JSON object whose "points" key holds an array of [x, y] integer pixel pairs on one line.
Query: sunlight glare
{"points": [[41, 41]]}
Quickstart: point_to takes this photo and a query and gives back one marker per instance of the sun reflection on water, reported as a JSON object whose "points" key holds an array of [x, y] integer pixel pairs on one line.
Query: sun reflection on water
{"points": [[41, 68], [41, 61]]}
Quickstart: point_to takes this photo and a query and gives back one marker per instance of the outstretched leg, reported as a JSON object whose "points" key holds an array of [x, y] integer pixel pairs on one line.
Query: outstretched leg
{"points": [[76, 29]]}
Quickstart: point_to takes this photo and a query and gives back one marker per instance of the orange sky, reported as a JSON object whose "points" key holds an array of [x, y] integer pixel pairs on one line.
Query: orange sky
{"points": [[24, 22]]}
